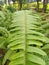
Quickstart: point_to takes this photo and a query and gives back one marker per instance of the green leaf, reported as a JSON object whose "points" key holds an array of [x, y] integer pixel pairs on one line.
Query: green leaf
{"points": [[35, 59], [24, 34], [6, 57], [35, 50]]}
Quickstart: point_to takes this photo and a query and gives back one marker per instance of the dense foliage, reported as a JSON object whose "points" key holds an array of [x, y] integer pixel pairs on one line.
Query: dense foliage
{"points": [[23, 40]]}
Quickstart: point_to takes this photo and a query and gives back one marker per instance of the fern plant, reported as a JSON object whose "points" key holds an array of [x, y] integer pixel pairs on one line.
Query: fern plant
{"points": [[45, 27], [25, 41], [5, 18], [5, 21], [4, 34]]}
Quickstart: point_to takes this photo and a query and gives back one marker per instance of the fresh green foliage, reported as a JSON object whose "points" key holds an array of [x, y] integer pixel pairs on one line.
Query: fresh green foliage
{"points": [[25, 40], [5, 22], [45, 26], [5, 18], [4, 34]]}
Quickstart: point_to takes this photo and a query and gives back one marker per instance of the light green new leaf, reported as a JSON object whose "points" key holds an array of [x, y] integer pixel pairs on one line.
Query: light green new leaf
{"points": [[24, 35]]}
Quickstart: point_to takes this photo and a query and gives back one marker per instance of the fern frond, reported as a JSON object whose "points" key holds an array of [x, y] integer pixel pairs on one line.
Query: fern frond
{"points": [[24, 35]]}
